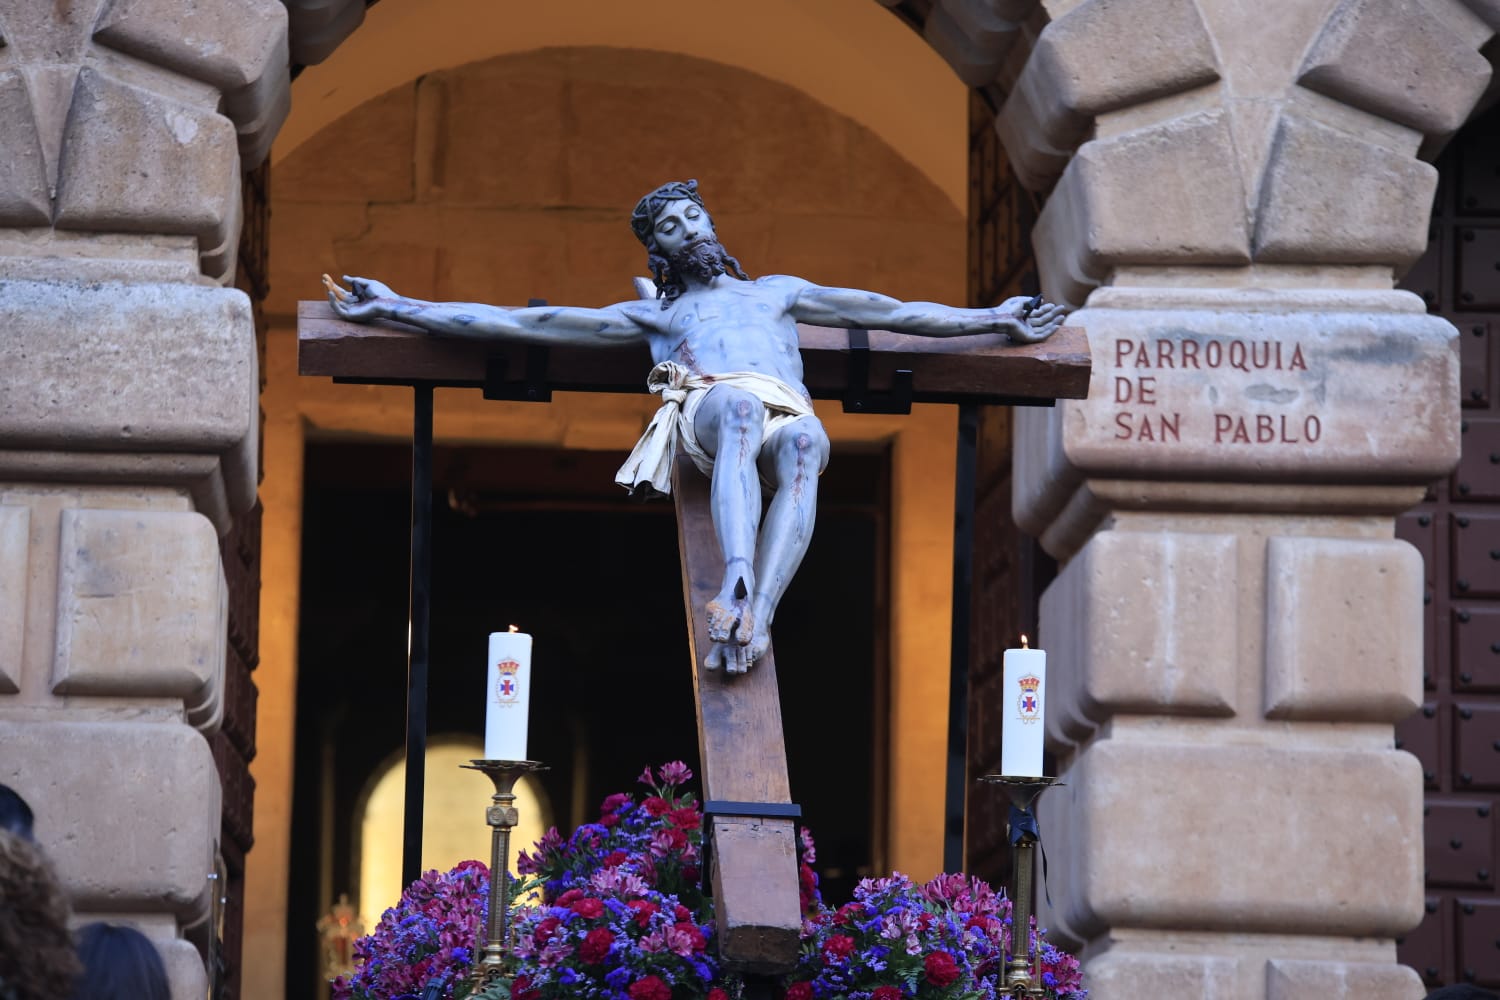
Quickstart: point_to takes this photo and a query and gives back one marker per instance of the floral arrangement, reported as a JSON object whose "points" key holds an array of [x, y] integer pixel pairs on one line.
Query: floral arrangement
{"points": [[617, 913], [431, 935]]}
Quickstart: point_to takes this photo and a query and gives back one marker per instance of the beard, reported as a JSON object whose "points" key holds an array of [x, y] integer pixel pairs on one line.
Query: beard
{"points": [[703, 259]]}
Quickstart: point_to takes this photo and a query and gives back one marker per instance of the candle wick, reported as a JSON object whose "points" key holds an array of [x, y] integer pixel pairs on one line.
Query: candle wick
{"points": [[1024, 643]]}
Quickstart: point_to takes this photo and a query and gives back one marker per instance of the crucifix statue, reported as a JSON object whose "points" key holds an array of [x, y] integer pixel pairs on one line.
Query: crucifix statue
{"points": [[729, 372]]}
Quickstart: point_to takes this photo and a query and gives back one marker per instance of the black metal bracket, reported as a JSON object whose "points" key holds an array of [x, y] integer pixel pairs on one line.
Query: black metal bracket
{"points": [[752, 810], [858, 396], [533, 387]]}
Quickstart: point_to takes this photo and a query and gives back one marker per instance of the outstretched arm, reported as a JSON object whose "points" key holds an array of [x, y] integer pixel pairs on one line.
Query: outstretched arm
{"points": [[369, 300], [1023, 319]]}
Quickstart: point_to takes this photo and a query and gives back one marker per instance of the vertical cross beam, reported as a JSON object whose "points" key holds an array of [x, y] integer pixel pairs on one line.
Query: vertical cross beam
{"points": [[743, 757]]}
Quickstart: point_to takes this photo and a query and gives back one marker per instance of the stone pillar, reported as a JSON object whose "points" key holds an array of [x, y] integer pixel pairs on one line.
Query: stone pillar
{"points": [[1234, 629], [128, 434]]}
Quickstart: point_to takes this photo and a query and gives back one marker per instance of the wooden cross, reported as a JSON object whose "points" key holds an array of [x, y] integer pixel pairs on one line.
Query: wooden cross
{"points": [[742, 752]]}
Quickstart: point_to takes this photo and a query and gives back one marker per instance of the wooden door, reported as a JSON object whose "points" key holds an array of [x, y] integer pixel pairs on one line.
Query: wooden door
{"points": [[1456, 735]]}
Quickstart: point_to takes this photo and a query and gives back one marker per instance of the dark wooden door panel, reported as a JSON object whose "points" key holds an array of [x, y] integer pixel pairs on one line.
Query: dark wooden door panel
{"points": [[1456, 735]]}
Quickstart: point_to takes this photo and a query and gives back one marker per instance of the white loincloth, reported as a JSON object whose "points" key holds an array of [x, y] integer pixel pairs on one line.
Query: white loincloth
{"points": [[682, 393]]}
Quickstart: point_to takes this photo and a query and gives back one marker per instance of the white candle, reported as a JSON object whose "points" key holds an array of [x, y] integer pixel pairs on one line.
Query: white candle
{"points": [[507, 695], [1021, 733]]}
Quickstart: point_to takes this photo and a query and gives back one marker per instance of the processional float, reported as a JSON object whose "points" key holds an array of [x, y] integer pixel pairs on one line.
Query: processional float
{"points": [[874, 354]]}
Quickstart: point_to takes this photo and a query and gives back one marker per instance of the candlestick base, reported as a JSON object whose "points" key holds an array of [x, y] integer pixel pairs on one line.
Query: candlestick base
{"points": [[1022, 979], [501, 815]]}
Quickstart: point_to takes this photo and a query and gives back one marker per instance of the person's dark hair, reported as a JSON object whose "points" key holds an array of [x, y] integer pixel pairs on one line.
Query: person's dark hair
{"points": [[37, 961], [15, 814], [119, 963], [668, 277], [1461, 991]]}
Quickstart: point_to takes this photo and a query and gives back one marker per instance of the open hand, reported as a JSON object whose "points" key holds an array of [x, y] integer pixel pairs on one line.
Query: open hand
{"points": [[365, 300], [1025, 323]]}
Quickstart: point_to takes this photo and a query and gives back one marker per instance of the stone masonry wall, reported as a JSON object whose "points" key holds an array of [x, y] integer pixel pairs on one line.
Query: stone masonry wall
{"points": [[128, 420], [1231, 192]]}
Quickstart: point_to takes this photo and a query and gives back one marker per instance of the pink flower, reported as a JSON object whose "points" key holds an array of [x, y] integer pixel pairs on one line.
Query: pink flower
{"points": [[684, 939], [647, 778], [675, 773]]}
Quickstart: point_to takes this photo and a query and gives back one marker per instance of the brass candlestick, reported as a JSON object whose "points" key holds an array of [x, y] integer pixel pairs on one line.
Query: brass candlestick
{"points": [[1022, 979], [501, 816]]}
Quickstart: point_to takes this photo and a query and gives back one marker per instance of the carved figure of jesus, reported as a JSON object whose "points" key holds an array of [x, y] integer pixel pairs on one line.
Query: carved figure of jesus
{"points": [[729, 372]]}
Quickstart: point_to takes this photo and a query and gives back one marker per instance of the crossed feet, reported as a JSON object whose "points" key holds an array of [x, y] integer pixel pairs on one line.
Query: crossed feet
{"points": [[739, 637]]}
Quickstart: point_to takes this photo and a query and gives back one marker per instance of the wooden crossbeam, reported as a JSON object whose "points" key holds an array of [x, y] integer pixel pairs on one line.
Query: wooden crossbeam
{"points": [[979, 369], [743, 758]]}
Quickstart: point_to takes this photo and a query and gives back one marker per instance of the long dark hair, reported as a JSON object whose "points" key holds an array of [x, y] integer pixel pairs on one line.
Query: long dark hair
{"points": [[669, 282], [119, 963]]}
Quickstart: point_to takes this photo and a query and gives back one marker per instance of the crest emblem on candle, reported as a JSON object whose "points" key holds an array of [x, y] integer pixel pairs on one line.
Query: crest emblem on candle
{"points": [[507, 683], [1029, 704]]}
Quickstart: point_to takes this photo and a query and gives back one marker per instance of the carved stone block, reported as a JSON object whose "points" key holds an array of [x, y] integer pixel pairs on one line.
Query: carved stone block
{"points": [[1331, 198], [24, 199], [1397, 60], [107, 382], [140, 606], [1302, 980], [158, 774], [184, 169], [1343, 634], [1182, 834], [1166, 194], [1247, 396], [15, 527], [1146, 622]]}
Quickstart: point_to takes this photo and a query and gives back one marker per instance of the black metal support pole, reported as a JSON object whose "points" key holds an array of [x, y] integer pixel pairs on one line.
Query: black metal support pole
{"points": [[418, 624], [958, 661]]}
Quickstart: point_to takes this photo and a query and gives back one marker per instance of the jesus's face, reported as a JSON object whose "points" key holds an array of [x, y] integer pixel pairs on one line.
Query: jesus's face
{"points": [[680, 224]]}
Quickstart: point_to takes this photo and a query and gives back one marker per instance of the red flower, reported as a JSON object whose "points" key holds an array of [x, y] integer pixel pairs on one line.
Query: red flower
{"points": [[847, 913], [838, 946], [691, 873], [886, 993], [614, 859], [644, 911], [687, 818], [545, 929], [941, 969], [614, 802], [595, 946], [567, 898], [521, 989], [652, 988], [717, 994], [682, 913], [588, 907], [799, 991], [608, 819], [656, 806]]}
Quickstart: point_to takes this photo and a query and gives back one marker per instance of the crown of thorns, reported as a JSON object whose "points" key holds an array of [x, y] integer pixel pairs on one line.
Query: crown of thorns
{"points": [[643, 219]]}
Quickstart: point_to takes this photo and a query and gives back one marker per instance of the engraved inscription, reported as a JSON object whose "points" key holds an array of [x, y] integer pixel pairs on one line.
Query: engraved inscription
{"points": [[1140, 368]]}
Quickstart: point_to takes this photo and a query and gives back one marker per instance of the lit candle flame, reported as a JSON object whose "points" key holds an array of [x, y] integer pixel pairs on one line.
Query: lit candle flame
{"points": [[1024, 643], [515, 628]]}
